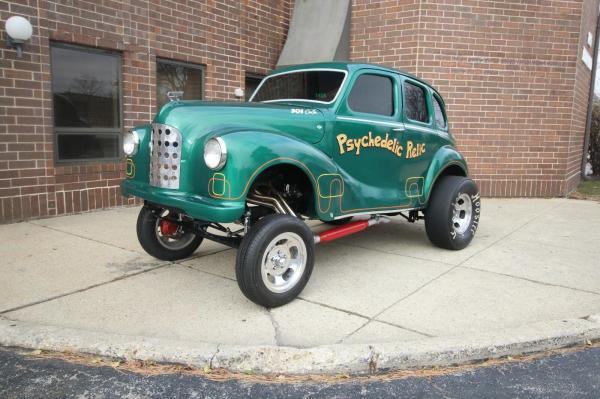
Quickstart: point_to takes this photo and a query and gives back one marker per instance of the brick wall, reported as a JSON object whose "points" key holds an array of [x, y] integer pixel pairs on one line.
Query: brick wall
{"points": [[510, 72], [229, 37]]}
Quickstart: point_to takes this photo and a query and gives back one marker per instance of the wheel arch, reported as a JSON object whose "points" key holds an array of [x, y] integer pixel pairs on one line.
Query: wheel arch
{"points": [[446, 162], [253, 155], [296, 173]]}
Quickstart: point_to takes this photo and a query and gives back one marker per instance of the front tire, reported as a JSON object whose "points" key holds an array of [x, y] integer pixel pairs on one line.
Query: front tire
{"points": [[178, 245], [453, 212], [275, 260]]}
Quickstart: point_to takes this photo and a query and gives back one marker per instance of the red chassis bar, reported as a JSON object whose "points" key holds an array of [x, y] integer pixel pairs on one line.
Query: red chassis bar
{"points": [[347, 229]]}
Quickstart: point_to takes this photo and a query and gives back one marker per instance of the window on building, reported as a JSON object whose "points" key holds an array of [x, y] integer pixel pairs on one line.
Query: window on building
{"points": [[178, 76], [372, 94], [252, 82], [440, 119], [86, 94], [415, 103]]}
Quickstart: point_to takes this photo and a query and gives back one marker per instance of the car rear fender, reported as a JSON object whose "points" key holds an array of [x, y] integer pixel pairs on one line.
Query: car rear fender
{"points": [[445, 161]]}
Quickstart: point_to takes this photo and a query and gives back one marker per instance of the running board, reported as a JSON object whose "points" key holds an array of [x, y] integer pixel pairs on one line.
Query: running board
{"points": [[350, 228]]}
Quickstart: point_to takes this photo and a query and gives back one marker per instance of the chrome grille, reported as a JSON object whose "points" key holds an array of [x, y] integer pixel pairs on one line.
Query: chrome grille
{"points": [[165, 156]]}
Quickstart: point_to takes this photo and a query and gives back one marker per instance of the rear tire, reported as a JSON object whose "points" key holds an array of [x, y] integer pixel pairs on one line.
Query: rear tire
{"points": [[181, 245], [275, 260], [453, 212]]}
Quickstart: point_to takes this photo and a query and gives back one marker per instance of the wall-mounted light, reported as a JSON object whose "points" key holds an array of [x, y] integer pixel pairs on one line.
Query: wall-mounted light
{"points": [[18, 31], [238, 92]]}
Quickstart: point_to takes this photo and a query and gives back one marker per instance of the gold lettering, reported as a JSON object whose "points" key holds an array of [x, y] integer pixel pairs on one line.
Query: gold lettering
{"points": [[371, 141], [341, 139], [350, 145], [409, 148], [390, 145], [399, 150], [345, 144], [357, 143]]}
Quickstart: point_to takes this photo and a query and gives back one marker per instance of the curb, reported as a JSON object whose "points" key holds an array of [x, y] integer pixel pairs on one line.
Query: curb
{"points": [[328, 359]]}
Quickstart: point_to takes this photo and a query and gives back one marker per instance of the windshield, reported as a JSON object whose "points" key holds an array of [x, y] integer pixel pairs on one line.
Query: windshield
{"points": [[316, 85]]}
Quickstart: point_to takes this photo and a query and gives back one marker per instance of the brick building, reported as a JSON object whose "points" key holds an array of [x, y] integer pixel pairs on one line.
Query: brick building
{"points": [[511, 72]]}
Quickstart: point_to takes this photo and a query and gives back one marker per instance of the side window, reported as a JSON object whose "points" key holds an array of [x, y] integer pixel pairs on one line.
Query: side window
{"points": [[372, 94], [440, 120], [415, 103]]}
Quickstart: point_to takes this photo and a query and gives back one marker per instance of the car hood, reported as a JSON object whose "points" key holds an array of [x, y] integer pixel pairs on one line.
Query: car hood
{"points": [[195, 119]]}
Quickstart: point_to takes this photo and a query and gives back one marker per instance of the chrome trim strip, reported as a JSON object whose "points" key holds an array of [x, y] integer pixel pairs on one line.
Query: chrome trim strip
{"points": [[302, 70], [392, 124], [400, 125], [421, 128], [376, 213]]}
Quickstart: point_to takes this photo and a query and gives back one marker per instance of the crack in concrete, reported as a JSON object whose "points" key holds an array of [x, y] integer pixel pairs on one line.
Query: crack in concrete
{"points": [[212, 358], [531, 280], [348, 312], [157, 266], [276, 329], [467, 259], [341, 340], [373, 360], [14, 309], [339, 244], [84, 237]]}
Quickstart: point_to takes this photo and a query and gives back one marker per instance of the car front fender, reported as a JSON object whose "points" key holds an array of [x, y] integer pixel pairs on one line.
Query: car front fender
{"points": [[249, 153]]}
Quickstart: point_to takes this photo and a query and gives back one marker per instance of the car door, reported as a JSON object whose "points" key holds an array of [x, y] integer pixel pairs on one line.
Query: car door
{"points": [[420, 138], [367, 145]]}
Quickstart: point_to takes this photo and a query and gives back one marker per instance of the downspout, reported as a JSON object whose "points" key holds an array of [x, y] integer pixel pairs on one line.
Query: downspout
{"points": [[588, 123]]}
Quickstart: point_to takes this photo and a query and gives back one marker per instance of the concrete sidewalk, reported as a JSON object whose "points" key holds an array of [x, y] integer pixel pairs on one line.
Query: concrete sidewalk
{"points": [[532, 261]]}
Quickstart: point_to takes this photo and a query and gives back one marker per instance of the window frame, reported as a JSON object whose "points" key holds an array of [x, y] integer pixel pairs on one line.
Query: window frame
{"points": [[104, 131], [252, 75], [428, 104], [436, 97], [395, 99], [337, 95], [169, 61]]}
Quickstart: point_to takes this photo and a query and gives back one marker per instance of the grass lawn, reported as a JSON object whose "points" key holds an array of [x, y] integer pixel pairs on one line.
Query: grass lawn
{"points": [[588, 190]]}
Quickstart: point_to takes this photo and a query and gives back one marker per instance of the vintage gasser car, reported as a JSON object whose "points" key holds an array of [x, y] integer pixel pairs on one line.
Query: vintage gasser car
{"points": [[323, 141]]}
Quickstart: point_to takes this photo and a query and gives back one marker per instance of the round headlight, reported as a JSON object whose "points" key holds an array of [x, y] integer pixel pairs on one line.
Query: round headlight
{"points": [[215, 153], [131, 141]]}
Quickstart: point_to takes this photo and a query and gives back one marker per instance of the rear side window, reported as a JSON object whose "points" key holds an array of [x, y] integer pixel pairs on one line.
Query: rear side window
{"points": [[440, 120], [415, 103], [372, 94]]}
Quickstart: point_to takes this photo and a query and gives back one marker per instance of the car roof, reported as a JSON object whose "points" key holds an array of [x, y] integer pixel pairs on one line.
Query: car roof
{"points": [[350, 67]]}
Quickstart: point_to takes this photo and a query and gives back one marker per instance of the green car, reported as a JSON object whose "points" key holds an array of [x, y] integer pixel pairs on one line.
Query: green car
{"points": [[327, 141]]}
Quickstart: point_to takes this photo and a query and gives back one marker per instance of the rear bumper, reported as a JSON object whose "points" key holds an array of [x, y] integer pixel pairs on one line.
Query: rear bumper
{"points": [[193, 205]]}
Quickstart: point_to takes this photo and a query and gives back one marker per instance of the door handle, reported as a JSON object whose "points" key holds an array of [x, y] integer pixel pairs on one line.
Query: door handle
{"points": [[399, 129]]}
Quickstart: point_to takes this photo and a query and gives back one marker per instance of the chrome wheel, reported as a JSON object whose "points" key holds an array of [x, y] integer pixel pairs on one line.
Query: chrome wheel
{"points": [[175, 241], [462, 213], [283, 262]]}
